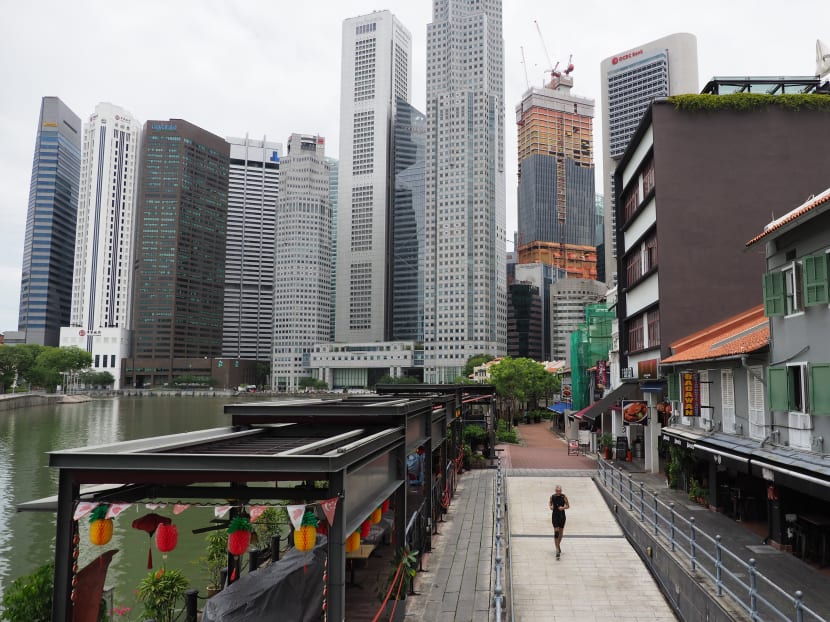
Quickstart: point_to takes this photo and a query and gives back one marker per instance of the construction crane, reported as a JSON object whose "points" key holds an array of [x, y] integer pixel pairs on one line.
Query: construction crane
{"points": [[551, 68], [524, 64]]}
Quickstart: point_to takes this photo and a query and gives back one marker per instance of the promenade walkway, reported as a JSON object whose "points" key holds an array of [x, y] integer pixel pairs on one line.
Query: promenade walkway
{"points": [[599, 576], [457, 584]]}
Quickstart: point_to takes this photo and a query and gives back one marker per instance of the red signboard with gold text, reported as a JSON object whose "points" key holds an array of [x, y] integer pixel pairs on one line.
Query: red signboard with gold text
{"points": [[690, 393]]}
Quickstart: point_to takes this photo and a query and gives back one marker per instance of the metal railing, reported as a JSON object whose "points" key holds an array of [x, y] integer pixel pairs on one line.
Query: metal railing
{"points": [[759, 596], [500, 533]]}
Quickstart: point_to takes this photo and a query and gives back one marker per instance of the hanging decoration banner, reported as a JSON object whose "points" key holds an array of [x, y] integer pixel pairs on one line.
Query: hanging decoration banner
{"points": [[329, 507], [220, 510], [179, 508], [84, 508], [295, 514], [116, 508], [690, 393], [256, 511]]}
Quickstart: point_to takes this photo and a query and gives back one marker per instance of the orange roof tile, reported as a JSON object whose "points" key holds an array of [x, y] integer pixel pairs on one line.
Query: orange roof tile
{"points": [[808, 205], [740, 334]]}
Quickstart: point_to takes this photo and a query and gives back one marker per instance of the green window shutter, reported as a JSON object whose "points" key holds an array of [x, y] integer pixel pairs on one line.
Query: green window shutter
{"points": [[777, 393], [815, 280], [674, 387], [820, 389], [774, 293]]}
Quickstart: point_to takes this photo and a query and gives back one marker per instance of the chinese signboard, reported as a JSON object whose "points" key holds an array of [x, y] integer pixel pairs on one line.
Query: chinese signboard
{"points": [[690, 393]]}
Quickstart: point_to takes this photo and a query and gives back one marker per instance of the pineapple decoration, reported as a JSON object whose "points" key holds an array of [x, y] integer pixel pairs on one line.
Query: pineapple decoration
{"points": [[239, 535], [100, 527], [306, 536], [375, 516], [353, 541]]}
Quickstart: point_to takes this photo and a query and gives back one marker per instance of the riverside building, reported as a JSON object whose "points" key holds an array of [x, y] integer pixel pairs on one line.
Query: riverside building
{"points": [[104, 252], [49, 243]]}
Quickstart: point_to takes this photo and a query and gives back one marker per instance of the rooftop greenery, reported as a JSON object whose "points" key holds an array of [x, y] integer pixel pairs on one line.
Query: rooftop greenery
{"points": [[741, 102]]}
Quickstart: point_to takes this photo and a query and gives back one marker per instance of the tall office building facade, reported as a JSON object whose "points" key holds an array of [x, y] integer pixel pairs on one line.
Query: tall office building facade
{"points": [[630, 81], [334, 186], [179, 281], [376, 73], [556, 165], [49, 244], [465, 289], [247, 324], [102, 282], [406, 284], [302, 287]]}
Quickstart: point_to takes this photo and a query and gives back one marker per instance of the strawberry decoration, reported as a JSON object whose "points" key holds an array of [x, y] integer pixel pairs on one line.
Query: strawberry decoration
{"points": [[167, 537], [239, 535]]}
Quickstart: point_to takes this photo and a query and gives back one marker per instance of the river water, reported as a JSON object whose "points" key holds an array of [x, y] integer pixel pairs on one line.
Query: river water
{"points": [[27, 539]]}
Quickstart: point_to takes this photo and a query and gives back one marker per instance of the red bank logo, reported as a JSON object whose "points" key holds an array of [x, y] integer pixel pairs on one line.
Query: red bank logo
{"points": [[626, 56]]}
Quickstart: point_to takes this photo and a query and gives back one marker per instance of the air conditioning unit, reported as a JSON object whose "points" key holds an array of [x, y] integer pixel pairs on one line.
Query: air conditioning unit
{"points": [[627, 372]]}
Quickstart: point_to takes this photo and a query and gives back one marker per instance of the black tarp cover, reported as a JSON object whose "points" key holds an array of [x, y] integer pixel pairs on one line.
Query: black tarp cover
{"points": [[290, 589]]}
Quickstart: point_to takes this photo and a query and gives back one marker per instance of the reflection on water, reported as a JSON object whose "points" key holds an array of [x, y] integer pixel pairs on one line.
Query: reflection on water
{"points": [[27, 539]]}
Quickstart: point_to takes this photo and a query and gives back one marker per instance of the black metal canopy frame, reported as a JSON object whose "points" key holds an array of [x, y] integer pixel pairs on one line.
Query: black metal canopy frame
{"points": [[358, 444]]}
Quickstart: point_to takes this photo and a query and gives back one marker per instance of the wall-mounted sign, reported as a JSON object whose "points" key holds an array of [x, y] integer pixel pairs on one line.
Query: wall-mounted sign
{"points": [[602, 374], [690, 393], [634, 411], [647, 369]]}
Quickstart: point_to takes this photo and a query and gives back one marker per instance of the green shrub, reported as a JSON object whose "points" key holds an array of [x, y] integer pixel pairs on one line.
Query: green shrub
{"points": [[159, 592], [505, 433], [29, 598], [475, 435]]}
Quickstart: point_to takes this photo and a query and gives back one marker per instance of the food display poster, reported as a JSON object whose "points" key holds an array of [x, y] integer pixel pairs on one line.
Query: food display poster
{"points": [[634, 411]]}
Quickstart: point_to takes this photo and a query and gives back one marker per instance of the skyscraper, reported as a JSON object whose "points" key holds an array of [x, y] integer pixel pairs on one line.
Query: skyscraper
{"points": [[406, 286], [49, 245], [376, 74], [465, 290], [102, 283], [249, 249], [302, 287], [179, 281], [334, 199], [630, 81], [556, 165]]}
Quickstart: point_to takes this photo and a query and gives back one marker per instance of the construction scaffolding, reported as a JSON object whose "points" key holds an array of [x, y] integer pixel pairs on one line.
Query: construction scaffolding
{"points": [[590, 343]]}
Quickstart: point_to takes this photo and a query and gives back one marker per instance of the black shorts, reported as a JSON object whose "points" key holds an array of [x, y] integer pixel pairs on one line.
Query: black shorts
{"points": [[558, 520]]}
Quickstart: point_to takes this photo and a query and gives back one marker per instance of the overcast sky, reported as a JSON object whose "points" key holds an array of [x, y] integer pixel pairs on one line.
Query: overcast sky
{"points": [[272, 67]]}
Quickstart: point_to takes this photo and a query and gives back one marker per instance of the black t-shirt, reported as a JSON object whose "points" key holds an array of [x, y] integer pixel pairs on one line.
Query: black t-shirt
{"points": [[558, 500]]}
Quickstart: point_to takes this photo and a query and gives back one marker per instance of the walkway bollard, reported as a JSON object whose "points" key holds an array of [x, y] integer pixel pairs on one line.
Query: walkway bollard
{"points": [[275, 548], [253, 559]]}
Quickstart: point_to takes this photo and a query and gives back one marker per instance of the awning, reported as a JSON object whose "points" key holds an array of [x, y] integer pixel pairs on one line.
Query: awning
{"points": [[627, 390], [726, 449], [559, 407], [579, 414], [681, 435]]}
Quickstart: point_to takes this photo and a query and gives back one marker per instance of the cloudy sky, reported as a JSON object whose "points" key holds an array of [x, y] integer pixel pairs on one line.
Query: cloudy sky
{"points": [[272, 67]]}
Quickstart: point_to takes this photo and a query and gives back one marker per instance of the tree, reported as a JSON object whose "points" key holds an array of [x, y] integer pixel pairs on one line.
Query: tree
{"points": [[475, 361], [16, 361], [97, 378], [308, 382], [519, 379]]}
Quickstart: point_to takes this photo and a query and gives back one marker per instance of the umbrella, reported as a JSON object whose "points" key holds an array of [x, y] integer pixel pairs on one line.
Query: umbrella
{"points": [[149, 523]]}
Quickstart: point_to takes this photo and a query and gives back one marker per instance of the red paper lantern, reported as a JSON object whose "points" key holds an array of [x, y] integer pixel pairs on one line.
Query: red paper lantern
{"points": [[167, 537], [239, 535], [385, 506], [364, 528]]}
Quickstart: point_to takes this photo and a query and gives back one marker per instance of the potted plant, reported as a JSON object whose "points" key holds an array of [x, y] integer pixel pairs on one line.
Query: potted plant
{"points": [[398, 582], [606, 442], [159, 592], [215, 559]]}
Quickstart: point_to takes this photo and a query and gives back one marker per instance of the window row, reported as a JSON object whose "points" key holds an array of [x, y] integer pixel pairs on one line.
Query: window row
{"points": [[797, 285]]}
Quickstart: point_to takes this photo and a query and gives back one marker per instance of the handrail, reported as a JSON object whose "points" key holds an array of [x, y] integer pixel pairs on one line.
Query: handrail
{"points": [[757, 594]]}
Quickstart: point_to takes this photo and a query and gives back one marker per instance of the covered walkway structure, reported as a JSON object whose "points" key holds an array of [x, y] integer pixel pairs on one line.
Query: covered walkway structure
{"points": [[357, 446]]}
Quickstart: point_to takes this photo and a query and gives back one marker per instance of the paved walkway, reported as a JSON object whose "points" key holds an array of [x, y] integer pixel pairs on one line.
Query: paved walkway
{"points": [[599, 575]]}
